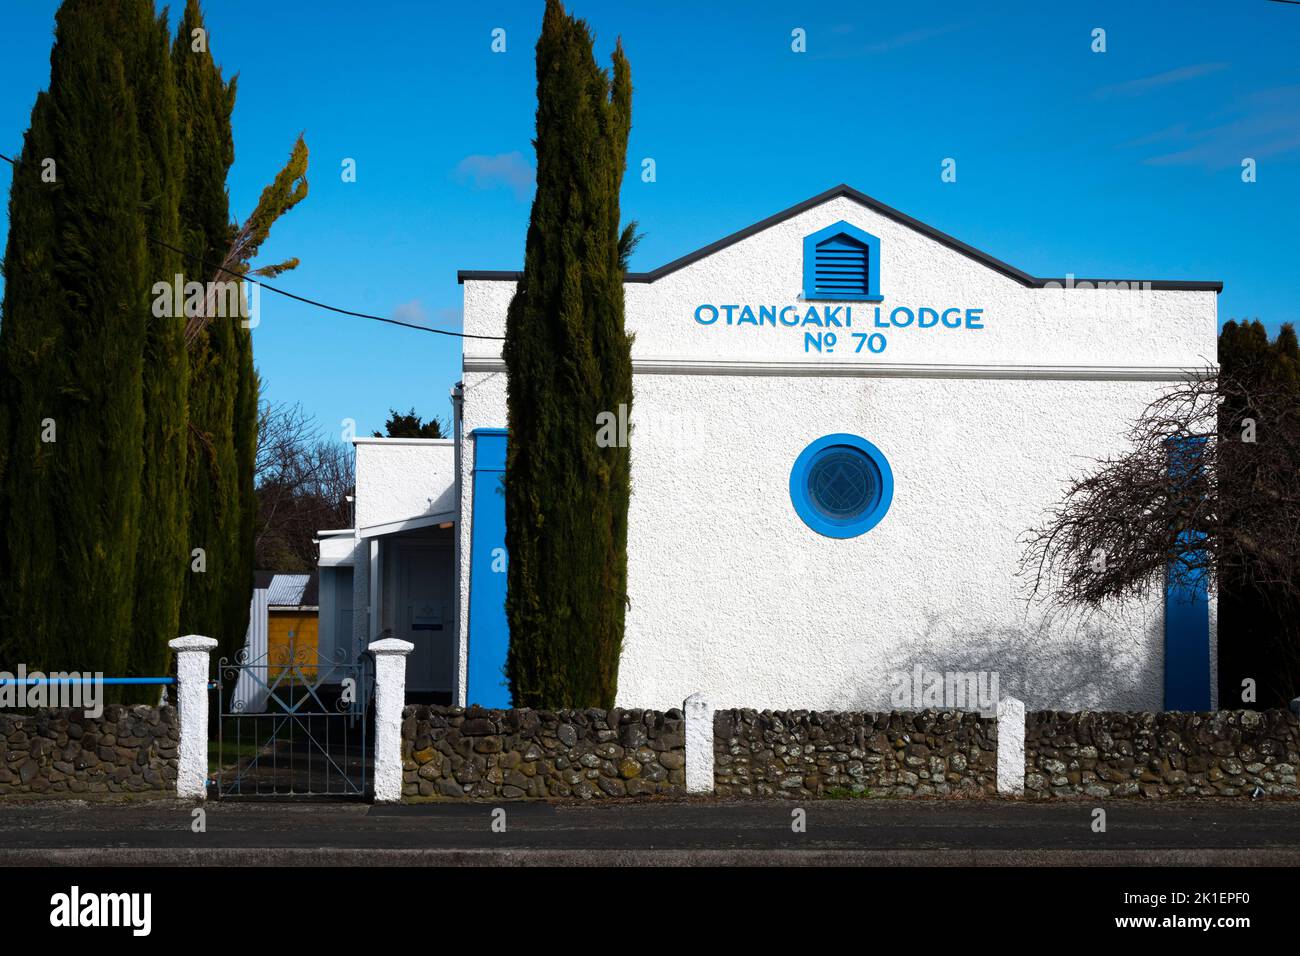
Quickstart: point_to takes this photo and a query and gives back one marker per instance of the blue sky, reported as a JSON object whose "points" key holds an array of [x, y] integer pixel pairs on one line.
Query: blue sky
{"points": [[1125, 163]]}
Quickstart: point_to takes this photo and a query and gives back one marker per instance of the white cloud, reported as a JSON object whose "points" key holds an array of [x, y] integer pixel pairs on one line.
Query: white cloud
{"points": [[412, 312], [504, 169], [1265, 123], [1157, 81]]}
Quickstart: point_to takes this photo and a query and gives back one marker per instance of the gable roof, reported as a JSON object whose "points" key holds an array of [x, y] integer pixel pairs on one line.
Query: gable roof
{"points": [[288, 589], [848, 192]]}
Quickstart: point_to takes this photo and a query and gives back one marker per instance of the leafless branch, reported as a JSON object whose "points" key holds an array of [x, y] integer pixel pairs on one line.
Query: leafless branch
{"points": [[1207, 492], [303, 480]]}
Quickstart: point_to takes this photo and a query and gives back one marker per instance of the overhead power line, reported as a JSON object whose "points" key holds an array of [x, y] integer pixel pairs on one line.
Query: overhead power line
{"points": [[312, 302], [322, 305]]}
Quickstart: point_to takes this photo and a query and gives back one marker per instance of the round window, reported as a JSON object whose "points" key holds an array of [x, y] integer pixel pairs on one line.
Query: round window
{"points": [[841, 486]]}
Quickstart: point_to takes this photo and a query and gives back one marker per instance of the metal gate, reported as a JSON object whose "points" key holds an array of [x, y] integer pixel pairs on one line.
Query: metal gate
{"points": [[292, 724]]}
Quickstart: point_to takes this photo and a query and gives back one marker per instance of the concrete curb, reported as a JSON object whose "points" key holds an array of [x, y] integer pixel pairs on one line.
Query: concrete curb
{"points": [[514, 857]]}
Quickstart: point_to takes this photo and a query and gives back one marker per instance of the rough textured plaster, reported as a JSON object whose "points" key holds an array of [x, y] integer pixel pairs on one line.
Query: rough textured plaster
{"points": [[699, 744], [390, 698], [192, 652], [1023, 325], [400, 480], [1011, 746], [732, 595]]}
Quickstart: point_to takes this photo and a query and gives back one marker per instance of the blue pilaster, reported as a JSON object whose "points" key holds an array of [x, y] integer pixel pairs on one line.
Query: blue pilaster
{"points": [[489, 633], [1187, 607]]}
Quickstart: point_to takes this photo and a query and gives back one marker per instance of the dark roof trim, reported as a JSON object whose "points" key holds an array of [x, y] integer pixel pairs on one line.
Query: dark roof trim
{"points": [[849, 192]]}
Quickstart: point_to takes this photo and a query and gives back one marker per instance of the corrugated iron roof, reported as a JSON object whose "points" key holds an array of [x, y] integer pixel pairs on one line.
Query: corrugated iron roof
{"points": [[289, 589], [286, 590]]}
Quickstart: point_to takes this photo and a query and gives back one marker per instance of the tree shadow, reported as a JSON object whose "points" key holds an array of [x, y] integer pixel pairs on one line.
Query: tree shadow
{"points": [[1105, 660]]}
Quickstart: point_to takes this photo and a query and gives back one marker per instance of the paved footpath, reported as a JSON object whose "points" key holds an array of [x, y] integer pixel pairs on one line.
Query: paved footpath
{"points": [[851, 832]]}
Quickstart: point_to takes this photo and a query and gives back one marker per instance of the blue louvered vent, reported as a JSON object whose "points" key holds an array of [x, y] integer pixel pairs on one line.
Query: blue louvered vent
{"points": [[842, 267]]}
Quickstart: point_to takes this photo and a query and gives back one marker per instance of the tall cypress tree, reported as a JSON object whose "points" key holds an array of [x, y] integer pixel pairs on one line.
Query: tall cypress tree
{"points": [[283, 193], [223, 384], [1259, 623], [115, 459], [161, 561], [568, 360], [206, 104], [243, 552], [72, 334]]}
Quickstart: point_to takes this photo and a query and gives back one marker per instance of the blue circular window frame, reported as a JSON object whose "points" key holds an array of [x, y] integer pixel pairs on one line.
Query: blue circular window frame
{"points": [[808, 511]]}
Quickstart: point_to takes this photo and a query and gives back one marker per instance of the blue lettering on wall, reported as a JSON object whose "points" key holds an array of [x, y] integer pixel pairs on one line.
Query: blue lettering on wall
{"points": [[954, 318]]}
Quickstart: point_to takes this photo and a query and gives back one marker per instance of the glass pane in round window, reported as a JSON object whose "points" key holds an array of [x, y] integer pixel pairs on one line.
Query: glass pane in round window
{"points": [[843, 483]]}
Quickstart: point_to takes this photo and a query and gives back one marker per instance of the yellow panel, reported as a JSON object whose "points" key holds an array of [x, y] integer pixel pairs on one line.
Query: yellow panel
{"points": [[292, 637]]}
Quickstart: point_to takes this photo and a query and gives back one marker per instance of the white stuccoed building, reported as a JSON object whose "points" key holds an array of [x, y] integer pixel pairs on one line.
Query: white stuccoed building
{"points": [[843, 422]]}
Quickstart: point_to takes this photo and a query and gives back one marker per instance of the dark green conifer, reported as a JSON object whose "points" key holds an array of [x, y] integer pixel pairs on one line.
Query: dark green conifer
{"points": [[1258, 619], [162, 559], [223, 384], [128, 430], [244, 441], [72, 340], [212, 501], [569, 363]]}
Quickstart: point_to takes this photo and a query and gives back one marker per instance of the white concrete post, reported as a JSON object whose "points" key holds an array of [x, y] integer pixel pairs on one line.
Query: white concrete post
{"points": [[1011, 746], [699, 744], [390, 696], [192, 652]]}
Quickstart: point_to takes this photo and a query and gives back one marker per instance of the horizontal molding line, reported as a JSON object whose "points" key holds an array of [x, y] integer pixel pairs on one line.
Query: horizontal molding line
{"points": [[381, 440], [1083, 373]]}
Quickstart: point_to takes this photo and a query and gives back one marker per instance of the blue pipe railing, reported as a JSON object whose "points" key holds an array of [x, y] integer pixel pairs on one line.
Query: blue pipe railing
{"points": [[31, 681]]}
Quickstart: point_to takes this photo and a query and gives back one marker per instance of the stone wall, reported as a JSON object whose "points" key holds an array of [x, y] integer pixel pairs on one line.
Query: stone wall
{"points": [[64, 753], [1227, 754], [474, 753], [802, 754]]}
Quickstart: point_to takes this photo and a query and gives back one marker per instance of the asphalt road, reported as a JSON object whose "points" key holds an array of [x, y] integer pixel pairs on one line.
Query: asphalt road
{"points": [[948, 832]]}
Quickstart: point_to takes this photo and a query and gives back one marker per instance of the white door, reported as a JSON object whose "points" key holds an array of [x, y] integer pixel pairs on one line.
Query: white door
{"points": [[424, 614]]}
